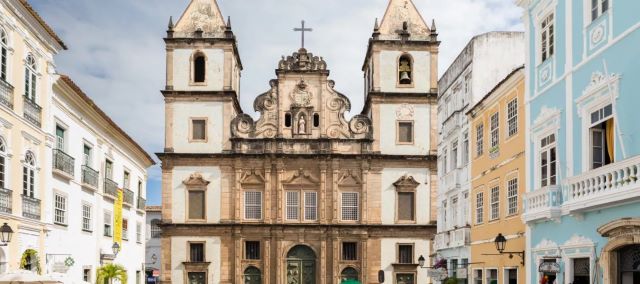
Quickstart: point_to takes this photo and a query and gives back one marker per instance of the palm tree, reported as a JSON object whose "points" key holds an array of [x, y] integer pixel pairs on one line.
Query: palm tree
{"points": [[107, 273]]}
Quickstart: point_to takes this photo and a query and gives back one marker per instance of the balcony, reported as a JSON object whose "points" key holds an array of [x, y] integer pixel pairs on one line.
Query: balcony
{"points": [[32, 112], [110, 188], [141, 203], [6, 200], [542, 204], [441, 241], [6, 94], [459, 237], [63, 164], [30, 207], [452, 180], [128, 197], [606, 186], [89, 177]]}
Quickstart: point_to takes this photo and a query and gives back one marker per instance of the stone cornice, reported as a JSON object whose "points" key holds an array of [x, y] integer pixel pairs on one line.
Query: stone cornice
{"points": [[211, 95], [388, 97], [371, 156], [182, 41]]}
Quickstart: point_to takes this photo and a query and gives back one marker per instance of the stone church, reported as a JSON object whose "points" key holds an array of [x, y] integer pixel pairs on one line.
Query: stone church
{"points": [[302, 194]]}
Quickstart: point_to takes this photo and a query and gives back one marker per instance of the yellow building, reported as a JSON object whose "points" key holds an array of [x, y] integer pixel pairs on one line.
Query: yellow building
{"points": [[498, 182], [27, 47]]}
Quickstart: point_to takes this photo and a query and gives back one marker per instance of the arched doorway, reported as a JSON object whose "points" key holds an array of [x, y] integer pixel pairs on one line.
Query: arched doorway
{"points": [[629, 264], [301, 265], [349, 273], [252, 275]]}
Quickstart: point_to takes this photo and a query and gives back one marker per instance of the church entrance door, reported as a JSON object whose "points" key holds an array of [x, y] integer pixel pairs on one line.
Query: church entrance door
{"points": [[629, 267], [301, 265]]}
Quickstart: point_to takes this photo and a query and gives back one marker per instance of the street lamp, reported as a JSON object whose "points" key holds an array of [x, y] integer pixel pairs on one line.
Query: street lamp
{"points": [[421, 261], [115, 248], [501, 243], [5, 234]]}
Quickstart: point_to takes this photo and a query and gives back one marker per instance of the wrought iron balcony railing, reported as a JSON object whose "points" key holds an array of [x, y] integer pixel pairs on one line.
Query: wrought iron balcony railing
{"points": [[90, 176], [63, 162], [110, 188], [141, 203], [6, 94], [128, 196], [6, 200], [30, 207], [32, 112]]}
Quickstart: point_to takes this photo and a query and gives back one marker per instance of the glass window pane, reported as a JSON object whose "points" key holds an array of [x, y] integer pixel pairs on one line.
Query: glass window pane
{"points": [[406, 206], [196, 204]]}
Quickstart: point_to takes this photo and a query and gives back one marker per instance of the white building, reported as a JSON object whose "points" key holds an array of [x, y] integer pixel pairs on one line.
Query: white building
{"points": [[485, 60], [91, 159], [152, 250]]}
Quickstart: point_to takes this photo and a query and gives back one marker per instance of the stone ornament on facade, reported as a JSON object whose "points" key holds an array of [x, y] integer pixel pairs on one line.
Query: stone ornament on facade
{"points": [[620, 233], [196, 180], [203, 17], [302, 61], [301, 176], [406, 182], [252, 177], [405, 112], [350, 177]]}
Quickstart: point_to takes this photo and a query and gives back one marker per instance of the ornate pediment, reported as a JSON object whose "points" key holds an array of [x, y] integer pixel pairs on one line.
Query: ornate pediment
{"points": [[196, 180], [350, 178], [406, 182], [302, 61], [203, 16], [620, 228], [252, 177], [301, 177]]}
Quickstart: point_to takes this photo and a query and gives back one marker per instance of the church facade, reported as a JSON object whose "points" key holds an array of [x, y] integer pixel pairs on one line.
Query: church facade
{"points": [[302, 194]]}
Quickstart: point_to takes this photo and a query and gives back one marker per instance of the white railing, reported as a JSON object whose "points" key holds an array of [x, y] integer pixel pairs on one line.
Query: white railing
{"points": [[606, 185], [452, 179], [542, 203], [441, 241], [451, 123], [459, 237]]}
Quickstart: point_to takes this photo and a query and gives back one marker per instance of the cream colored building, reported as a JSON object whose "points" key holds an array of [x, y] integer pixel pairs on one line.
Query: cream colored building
{"points": [[498, 183], [27, 49], [302, 194]]}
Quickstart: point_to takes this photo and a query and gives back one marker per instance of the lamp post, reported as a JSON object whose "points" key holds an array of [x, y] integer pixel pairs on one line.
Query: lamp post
{"points": [[116, 249], [5, 234], [501, 243]]}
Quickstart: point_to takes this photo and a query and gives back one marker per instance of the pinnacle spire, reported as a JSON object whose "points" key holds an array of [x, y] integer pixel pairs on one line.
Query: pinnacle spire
{"points": [[228, 22], [402, 20], [170, 23], [433, 25], [201, 17]]}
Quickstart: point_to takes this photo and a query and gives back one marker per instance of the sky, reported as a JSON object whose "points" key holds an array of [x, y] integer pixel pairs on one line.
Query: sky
{"points": [[116, 52]]}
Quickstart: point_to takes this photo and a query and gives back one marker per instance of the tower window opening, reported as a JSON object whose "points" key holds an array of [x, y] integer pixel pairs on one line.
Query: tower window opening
{"points": [[405, 73], [316, 120], [287, 120], [199, 68]]}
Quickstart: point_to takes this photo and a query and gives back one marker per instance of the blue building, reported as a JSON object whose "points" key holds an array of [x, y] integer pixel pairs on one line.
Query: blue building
{"points": [[582, 206]]}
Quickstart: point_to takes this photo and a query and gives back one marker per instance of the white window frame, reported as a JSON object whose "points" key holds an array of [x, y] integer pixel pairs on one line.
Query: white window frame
{"points": [[548, 31], [60, 206], [505, 276], [445, 160], [512, 187], [479, 139], [599, 9], [4, 55], [4, 161], [479, 207], [590, 124], [465, 148], [454, 155], [547, 150], [31, 77], [454, 210], [494, 126], [249, 207], [87, 224], [512, 117], [292, 207], [110, 223], [494, 201], [138, 232], [86, 158], [29, 171], [125, 232], [474, 275], [60, 140], [343, 206], [310, 206]]}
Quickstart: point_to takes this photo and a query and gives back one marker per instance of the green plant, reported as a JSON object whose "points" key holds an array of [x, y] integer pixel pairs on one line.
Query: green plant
{"points": [[451, 280], [30, 260], [109, 272]]}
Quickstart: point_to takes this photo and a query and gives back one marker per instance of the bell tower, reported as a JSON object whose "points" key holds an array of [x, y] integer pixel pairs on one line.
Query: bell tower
{"points": [[203, 70]]}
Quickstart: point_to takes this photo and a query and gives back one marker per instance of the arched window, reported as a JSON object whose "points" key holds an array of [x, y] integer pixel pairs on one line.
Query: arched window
{"points": [[252, 275], [199, 68], [316, 120], [287, 120], [4, 46], [29, 175], [405, 70], [349, 273], [3, 167], [30, 78], [155, 229]]}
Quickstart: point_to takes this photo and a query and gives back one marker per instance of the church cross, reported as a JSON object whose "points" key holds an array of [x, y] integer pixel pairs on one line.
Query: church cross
{"points": [[303, 29]]}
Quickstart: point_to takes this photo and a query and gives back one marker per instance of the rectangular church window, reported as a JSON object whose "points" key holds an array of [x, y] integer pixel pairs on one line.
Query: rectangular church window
{"points": [[405, 132], [198, 129], [350, 206], [196, 205], [196, 252], [252, 250], [253, 205], [292, 205], [406, 206], [349, 251], [405, 253], [310, 206]]}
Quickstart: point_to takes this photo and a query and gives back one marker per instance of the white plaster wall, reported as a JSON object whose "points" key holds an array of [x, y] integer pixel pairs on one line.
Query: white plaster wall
{"points": [[389, 68], [388, 194], [153, 244], [70, 240], [421, 127], [388, 256], [179, 254], [182, 70], [213, 202], [182, 112]]}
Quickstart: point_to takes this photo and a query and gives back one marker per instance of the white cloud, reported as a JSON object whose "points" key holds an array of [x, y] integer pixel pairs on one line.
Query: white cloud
{"points": [[116, 52]]}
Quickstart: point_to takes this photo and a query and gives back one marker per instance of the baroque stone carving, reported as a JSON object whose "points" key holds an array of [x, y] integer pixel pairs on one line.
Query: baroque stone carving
{"points": [[301, 177], [196, 180], [406, 182], [302, 60], [405, 111]]}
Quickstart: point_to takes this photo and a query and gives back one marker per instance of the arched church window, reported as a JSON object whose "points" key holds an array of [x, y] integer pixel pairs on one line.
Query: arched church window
{"points": [[349, 273], [405, 70], [4, 46], [30, 78], [252, 275], [287, 120], [199, 68], [316, 120]]}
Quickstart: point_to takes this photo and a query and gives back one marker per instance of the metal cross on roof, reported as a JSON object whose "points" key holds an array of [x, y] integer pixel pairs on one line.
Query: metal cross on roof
{"points": [[303, 29]]}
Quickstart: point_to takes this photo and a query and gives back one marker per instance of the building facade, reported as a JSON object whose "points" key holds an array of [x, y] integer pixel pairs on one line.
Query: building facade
{"points": [[93, 159], [582, 141], [27, 47], [497, 182], [153, 252], [486, 60], [300, 195]]}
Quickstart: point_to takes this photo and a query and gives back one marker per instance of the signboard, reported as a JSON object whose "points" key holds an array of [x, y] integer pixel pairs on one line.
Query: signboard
{"points": [[461, 273], [156, 273], [549, 267], [438, 274], [117, 218]]}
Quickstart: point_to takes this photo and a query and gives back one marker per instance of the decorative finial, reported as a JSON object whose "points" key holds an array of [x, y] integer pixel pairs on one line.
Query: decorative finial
{"points": [[170, 23], [302, 30], [376, 29], [228, 22], [433, 25], [434, 33]]}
